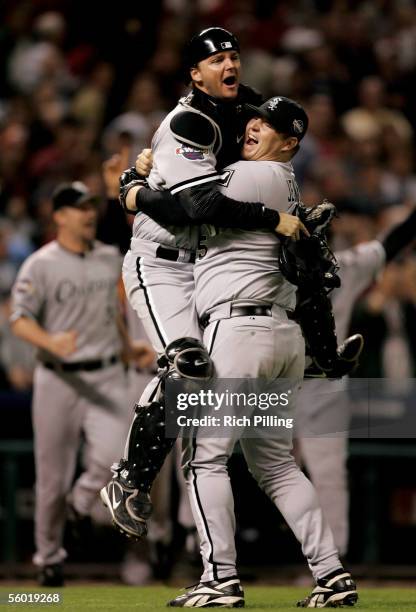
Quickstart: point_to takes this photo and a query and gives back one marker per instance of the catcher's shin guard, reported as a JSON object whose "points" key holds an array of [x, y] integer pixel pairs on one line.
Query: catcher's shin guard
{"points": [[148, 445]]}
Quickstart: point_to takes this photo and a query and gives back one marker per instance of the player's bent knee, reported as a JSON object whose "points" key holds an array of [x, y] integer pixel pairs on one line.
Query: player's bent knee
{"points": [[187, 358]]}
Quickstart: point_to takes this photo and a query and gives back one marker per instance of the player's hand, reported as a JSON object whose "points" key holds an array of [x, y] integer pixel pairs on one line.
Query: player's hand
{"points": [[144, 162], [291, 227], [63, 344], [112, 168]]}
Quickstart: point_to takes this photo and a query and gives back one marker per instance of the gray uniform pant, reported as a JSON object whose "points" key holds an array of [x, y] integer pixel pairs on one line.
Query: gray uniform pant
{"points": [[65, 408], [161, 292], [268, 347], [322, 420]]}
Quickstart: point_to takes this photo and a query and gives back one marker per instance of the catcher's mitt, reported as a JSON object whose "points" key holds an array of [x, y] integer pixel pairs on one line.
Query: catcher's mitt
{"points": [[318, 218], [309, 263]]}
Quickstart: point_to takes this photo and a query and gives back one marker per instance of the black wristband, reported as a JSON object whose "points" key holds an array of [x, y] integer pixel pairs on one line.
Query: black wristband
{"points": [[271, 217]]}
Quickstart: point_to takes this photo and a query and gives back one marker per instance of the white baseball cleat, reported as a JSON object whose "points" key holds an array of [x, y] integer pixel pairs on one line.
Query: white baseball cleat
{"points": [[224, 593], [334, 592]]}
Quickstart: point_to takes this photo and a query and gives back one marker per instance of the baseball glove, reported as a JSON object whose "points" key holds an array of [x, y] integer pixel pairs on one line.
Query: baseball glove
{"points": [[309, 263], [318, 218], [128, 179]]}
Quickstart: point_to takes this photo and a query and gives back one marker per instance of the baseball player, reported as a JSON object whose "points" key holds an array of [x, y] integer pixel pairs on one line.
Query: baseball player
{"points": [[242, 302], [201, 134], [324, 403], [65, 303]]}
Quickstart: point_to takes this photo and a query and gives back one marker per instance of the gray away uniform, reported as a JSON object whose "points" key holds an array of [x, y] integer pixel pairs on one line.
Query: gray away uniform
{"points": [[322, 405], [240, 268], [65, 291], [159, 290]]}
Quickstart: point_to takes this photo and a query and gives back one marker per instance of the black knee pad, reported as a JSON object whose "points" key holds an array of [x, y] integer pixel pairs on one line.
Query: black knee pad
{"points": [[187, 358]]}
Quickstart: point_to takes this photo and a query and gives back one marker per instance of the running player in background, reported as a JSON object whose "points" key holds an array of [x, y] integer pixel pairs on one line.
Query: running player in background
{"points": [[65, 303]]}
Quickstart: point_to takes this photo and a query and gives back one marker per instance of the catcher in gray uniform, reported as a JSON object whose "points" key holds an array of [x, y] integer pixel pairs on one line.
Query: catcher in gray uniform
{"points": [[65, 303], [240, 294]]}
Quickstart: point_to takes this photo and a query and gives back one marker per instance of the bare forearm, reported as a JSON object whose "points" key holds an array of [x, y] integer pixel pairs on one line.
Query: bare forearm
{"points": [[30, 330], [62, 344]]}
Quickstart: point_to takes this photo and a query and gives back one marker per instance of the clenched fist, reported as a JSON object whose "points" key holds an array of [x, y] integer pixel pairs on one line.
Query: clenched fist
{"points": [[63, 344]]}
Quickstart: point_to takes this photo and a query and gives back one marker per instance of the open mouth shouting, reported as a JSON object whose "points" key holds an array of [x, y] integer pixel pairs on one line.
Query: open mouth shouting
{"points": [[230, 82]]}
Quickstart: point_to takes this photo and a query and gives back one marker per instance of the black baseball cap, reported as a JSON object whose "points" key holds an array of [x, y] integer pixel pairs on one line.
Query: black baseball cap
{"points": [[284, 114], [208, 42], [72, 194]]}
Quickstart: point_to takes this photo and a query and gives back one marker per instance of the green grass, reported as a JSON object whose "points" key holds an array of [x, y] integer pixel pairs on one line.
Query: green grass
{"points": [[147, 599]]}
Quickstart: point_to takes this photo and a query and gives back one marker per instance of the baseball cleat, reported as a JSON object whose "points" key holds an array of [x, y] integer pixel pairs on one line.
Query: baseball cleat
{"points": [[340, 590], [128, 507], [224, 593], [51, 575], [345, 363], [351, 348]]}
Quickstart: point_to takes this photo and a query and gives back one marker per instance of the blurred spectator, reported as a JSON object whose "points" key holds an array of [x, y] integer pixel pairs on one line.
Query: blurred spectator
{"points": [[372, 117], [17, 358], [89, 103], [8, 269], [145, 111], [20, 230], [39, 58]]}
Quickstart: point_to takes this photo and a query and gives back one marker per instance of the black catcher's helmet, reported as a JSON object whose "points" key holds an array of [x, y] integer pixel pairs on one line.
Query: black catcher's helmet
{"points": [[208, 42]]}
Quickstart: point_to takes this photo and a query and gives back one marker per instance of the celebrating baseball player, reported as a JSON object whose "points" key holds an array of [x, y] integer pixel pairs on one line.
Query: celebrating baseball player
{"points": [[65, 303], [322, 406], [204, 131], [242, 300]]}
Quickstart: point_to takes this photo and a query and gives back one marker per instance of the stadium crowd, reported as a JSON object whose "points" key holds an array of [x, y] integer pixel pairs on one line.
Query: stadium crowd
{"points": [[73, 93]]}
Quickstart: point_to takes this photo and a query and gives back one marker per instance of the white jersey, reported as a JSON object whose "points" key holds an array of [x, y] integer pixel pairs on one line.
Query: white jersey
{"points": [[63, 290], [176, 166], [240, 264]]}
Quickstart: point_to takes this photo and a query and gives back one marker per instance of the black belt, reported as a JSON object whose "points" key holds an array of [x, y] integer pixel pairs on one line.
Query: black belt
{"points": [[176, 254], [75, 366], [241, 311]]}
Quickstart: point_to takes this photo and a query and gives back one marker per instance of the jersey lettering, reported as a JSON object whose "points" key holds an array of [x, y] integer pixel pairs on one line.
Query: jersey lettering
{"points": [[293, 188], [67, 289], [225, 178]]}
